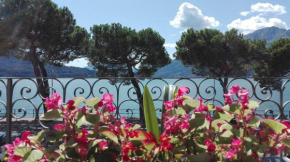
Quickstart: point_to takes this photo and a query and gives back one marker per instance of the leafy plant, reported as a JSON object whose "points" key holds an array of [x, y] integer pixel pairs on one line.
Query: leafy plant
{"points": [[191, 133]]}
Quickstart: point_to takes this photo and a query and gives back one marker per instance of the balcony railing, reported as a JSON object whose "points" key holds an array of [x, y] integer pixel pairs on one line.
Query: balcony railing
{"points": [[21, 103]]}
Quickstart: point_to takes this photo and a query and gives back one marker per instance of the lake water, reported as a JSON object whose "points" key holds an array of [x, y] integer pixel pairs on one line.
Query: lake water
{"points": [[25, 95]]}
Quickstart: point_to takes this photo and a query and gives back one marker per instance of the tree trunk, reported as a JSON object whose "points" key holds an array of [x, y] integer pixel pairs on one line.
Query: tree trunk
{"points": [[224, 84], [39, 72], [138, 92]]}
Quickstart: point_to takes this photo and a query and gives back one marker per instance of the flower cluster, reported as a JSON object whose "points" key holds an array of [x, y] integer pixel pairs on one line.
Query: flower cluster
{"points": [[191, 130]]}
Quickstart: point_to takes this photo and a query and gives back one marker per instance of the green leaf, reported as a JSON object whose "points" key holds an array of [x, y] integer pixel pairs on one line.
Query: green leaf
{"points": [[238, 132], [71, 153], [92, 118], [150, 113], [198, 122], [87, 119], [253, 105], [226, 126], [71, 143], [34, 155], [21, 151], [78, 101], [234, 108], [199, 157], [52, 114], [254, 122], [111, 135], [223, 116], [141, 136], [215, 122], [136, 126], [227, 134], [286, 141], [149, 146], [275, 125], [92, 102], [55, 135], [38, 137], [180, 111], [190, 104], [61, 158], [210, 107], [94, 143]]}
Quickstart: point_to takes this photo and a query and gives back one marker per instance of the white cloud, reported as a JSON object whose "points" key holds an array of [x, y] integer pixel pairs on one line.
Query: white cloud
{"points": [[245, 13], [170, 45], [173, 35], [264, 8], [254, 23], [268, 7], [189, 15]]}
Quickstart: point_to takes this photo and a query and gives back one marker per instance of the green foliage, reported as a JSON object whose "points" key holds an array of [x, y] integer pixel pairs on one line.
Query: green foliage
{"points": [[42, 29], [116, 50], [150, 114], [33, 155], [41, 32], [52, 115], [275, 125], [211, 53], [275, 63]]}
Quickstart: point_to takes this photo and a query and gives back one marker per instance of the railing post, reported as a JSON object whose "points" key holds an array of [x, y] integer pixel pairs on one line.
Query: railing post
{"points": [[9, 93]]}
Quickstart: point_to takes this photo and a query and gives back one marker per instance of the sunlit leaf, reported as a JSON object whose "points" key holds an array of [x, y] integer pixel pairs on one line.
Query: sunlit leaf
{"points": [[150, 113], [52, 114], [253, 104], [78, 101], [111, 135], [93, 101], [275, 125], [34, 155]]}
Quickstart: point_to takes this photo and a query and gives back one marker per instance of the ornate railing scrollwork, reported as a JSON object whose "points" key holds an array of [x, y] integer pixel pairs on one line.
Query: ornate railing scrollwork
{"points": [[27, 103]]}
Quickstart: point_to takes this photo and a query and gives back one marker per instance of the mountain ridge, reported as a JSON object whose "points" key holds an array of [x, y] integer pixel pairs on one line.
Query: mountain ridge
{"points": [[270, 34]]}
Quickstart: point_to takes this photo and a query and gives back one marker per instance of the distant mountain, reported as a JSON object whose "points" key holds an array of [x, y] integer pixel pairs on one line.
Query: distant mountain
{"points": [[270, 34], [174, 69], [12, 67]]}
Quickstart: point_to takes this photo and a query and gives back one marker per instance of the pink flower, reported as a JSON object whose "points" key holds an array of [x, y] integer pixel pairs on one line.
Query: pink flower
{"points": [[128, 147], [24, 137], [108, 102], [150, 137], [103, 145], [82, 139], [59, 127], [201, 107], [124, 123], [70, 105], [168, 105], [54, 102], [219, 109], [83, 110], [210, 146], [83, 152], [228, 99], [231, 154], [10, 151], [165, 143], [234, 89], [182, 91], [236, 144]]}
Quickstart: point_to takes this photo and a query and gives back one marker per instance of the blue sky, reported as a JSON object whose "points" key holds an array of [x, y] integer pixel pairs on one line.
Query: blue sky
{"points": [[171, 17]]}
